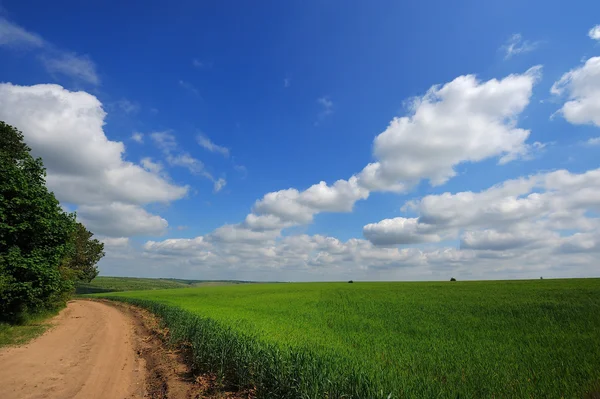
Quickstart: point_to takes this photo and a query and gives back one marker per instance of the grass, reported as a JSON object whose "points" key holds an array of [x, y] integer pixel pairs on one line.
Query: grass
{"points": [[18, 334], [112, 284], [463, 339]]}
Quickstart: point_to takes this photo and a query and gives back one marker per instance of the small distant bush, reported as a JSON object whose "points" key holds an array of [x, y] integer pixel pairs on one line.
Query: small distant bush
{"points": [[350, 281], [452, 279]]}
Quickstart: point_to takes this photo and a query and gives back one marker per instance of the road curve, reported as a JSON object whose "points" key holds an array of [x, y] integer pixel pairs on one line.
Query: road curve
{"points": [[88, 354]]}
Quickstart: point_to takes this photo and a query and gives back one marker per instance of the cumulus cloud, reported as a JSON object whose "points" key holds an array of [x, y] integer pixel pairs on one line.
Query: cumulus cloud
{"points": [[84, 167], [581, 86], [462, 121], [121, 220], [494, 240], [594, 33], [516, 45], [519, 228], [114, 242], [298, 207], [118, 220], [399, 230], [304, 257], [207, 143], [153, 167], [465, 120], [514, 214], [65, 128]]}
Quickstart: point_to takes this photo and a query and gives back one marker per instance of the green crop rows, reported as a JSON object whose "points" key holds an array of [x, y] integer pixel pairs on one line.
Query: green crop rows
{"points": [[366, 340]]}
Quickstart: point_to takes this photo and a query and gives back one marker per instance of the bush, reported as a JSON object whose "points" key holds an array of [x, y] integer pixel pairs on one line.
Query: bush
{"points": [[452, 279]]}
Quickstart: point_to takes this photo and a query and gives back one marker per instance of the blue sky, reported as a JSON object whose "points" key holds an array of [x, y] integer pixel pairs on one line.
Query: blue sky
{"points": [[295, 93]]}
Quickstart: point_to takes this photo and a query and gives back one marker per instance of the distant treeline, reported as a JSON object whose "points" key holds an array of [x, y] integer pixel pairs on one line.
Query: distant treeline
{"points": [[43, 249], [116, 284]]}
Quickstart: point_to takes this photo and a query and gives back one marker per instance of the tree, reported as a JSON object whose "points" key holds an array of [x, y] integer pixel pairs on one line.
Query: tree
{"points": [[83, 255], [34, 232], [452, 279]]}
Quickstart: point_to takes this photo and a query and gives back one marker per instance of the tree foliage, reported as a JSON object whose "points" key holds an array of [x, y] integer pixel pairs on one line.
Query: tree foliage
{"points": [[41, 246], [83, 254]]}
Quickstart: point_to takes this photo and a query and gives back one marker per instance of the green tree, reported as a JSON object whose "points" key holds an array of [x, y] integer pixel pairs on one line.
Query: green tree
{"points": [[83, 255], [34, 232]]}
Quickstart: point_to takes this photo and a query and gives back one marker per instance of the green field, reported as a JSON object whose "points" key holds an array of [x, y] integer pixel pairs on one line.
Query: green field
{"points": [[111, 284], [462, 339]]}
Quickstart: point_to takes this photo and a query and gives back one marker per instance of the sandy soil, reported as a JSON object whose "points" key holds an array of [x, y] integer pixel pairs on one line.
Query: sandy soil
{"points": [[89, 353], [105, 350]]}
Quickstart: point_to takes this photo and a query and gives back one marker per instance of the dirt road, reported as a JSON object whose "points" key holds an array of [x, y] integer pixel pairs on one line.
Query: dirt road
{"points": [[89, 353]]}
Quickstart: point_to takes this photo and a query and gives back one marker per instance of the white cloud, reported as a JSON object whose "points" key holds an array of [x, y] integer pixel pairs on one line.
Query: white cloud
{"points": [[521, 228], [326, 107], [167, 143], [72, 65], [299, 207], [594, 141], [206, 143], [512, 214], [189, 87], [151, 166], [55, 60], [516, 45], [582, 88], [111, 243], [138, 137], [192, 164], [219, 184], [129, 107], [494, 240], [240, 234], [12, 35], [594, 33], [265, 222], [462, 121], [84, 167], [399, 230], [121, 220], [177, 246], [302, 257]]}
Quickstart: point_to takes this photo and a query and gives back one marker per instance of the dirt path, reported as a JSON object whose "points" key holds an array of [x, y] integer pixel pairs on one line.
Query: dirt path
{"points": [[105, 350], [89, 354]]}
